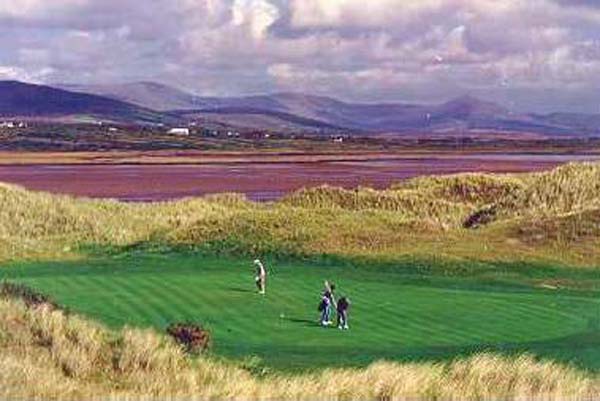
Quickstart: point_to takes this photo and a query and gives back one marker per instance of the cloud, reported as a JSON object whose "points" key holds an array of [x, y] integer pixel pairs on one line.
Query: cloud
{"points": [[579, 3], [361, 14], [425, 50], [258, 15], [19, 74], [37, 8]]}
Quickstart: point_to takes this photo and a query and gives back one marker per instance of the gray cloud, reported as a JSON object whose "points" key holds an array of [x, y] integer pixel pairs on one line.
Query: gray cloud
{"points": [[414, 50], [579, 3]]}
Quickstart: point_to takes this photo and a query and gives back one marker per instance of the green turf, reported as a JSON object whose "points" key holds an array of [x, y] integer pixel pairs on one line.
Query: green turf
{"points": [[397, 314]]}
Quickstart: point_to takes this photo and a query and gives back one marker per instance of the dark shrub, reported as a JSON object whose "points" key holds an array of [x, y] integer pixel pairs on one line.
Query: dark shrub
{"points": [[192, 337], [481, 218], [31, 297]]}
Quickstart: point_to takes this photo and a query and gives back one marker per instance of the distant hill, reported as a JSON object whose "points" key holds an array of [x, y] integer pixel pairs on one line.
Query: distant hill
{"points": [[295, 111], [150, 95], [39, 101], [465, 114], [288, 112], [256, 118]]}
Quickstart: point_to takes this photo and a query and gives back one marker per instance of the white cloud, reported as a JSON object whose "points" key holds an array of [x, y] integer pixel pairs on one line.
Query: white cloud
{"points": [[378, 49], [21, 74], [358, 13], [259, 15], [37, 8], [12, 73]]}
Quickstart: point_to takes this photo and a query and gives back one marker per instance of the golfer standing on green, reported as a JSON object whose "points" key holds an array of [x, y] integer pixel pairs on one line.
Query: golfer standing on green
{"points": [[260, 277]]}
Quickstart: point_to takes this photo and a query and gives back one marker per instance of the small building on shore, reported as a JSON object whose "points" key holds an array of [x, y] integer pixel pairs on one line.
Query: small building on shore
{"points": [[13, 124], [179, 131]]}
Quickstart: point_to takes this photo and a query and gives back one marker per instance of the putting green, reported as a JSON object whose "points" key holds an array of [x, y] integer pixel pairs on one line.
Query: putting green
{"points": [[394, 315]]}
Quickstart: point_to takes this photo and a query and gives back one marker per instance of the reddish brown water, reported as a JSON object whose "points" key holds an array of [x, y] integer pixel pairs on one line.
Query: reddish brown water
{"points": [[259, 181]]}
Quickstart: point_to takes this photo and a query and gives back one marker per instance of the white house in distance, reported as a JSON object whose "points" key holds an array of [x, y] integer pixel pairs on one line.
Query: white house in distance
{"points": [[12, 124], [179, 131]]}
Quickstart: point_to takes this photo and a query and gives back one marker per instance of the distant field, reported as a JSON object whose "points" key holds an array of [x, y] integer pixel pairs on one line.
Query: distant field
{"points": [[398, 314]]}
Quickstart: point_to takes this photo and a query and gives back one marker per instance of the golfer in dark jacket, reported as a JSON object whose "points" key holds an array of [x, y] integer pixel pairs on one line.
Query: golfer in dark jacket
{"points": [[342, 313]]}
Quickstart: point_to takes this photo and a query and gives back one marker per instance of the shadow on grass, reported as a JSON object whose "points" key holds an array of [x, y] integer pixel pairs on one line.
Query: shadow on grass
{"points": [[581, 350], [433, 271], [240, 290], [305, 322]]}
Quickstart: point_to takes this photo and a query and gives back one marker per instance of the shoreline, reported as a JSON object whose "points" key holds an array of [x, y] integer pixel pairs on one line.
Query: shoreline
{"points": [[19, 158], [260, 178]]}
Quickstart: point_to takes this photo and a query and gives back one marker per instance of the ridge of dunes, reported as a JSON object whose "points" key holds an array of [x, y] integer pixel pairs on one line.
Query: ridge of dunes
{"points": [[427, 211]]}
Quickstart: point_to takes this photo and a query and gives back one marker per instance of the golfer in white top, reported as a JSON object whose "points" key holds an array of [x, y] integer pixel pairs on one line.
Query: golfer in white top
{"points": [[261, 276]]}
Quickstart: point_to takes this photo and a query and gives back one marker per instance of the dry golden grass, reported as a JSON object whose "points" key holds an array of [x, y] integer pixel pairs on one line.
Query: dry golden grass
{"points": [[565, 229], [424, 216], [52, 356], [570, 188], [477, 189], [410, 205]]}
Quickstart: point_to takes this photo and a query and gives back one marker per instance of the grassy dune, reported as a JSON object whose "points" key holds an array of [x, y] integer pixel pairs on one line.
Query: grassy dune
{"points": [[419, 218], [469, 221]]}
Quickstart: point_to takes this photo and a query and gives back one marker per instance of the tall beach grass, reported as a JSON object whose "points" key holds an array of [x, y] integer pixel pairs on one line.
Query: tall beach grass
{"points": [[419, 217]]}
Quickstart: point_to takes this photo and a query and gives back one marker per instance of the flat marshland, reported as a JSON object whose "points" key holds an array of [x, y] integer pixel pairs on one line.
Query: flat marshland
{"points": [[473, 286], [265, 175]]}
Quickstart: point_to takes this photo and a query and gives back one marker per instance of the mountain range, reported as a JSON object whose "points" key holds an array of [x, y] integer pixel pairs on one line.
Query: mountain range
{"points": [[30, 101], [152, 103]]}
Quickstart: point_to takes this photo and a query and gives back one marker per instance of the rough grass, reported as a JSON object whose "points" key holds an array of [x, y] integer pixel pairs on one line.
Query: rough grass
{"points": [[476, 189], [564, 229], [410, 205], [417, 217], [565, 189], [49, 355]]}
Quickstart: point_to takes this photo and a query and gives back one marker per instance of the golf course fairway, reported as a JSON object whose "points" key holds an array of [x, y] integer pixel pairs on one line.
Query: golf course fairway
{"points": [[396, 314]]}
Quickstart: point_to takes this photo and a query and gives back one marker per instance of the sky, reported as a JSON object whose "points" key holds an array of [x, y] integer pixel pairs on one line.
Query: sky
{"points": [[537, 55]]}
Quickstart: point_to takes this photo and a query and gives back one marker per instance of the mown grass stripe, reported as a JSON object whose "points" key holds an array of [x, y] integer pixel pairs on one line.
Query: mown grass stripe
{"points": [[142, 308]]}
